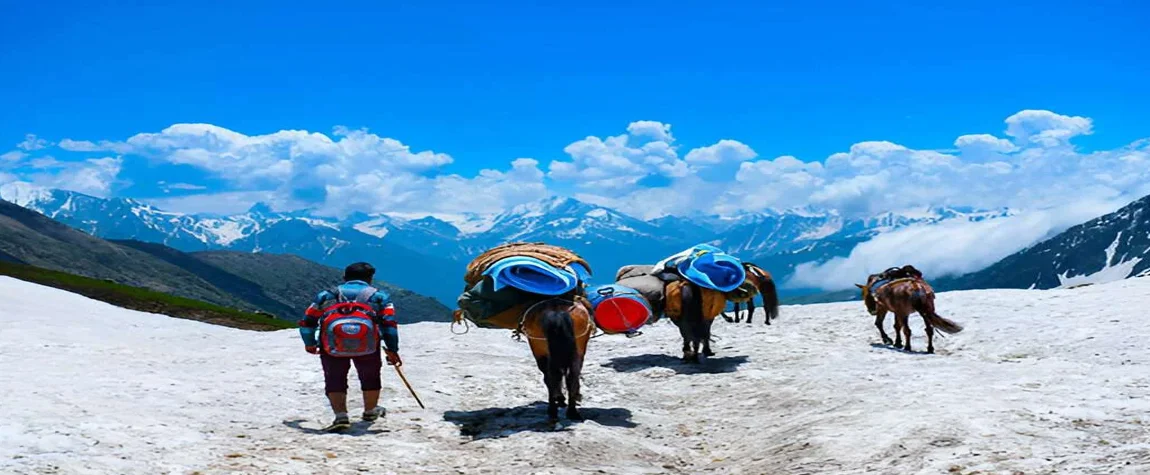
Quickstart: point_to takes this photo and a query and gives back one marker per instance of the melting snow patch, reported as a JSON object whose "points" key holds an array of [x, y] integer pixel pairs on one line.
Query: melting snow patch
{"points": [[1109, 273], [597, 213], [374, 227]]}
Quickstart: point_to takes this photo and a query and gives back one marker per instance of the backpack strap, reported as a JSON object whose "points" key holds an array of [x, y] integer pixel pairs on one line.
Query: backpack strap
{"points": [[338, 294], [365, 295]]}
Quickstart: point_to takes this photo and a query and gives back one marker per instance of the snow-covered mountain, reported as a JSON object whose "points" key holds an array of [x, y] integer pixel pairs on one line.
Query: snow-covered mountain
{"points": [[411, 249], [1111, 247]]}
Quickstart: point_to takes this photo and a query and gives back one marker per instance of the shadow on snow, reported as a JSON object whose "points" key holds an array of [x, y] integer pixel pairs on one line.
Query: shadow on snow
{"points": [[499, 422], [712, 365], [357, 428]]}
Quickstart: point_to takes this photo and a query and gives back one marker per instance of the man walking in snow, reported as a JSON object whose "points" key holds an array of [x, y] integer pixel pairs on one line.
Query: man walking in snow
{"points": [[345, 326]]}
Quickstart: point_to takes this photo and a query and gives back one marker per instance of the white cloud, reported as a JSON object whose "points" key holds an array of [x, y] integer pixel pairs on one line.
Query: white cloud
{"points": [[614, 165], [12, 157], [949, 248], [981, 143], [292, 159], [88, 146], [721, 152], [649, 128], [644, 173], [225, 203], [32, 143], [1046, 128], [94, 176]]}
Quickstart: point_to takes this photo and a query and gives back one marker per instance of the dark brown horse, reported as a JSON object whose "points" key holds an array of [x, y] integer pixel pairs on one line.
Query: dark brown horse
{"points": [[904, 296], [693, 309], [758, 282], [558, 331]]}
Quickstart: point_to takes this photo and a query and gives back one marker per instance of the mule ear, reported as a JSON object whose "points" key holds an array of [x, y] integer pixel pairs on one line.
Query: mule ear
{"points": [[860, 286]]}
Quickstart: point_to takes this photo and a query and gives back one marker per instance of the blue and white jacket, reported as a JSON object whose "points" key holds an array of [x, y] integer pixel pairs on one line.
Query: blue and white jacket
{"points": [[380, 302]]}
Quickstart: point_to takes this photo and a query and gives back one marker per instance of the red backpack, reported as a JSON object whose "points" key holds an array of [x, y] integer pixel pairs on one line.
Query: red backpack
{"points": [[349, 328]]}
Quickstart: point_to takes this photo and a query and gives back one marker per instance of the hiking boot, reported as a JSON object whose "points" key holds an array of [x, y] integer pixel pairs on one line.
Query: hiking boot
{"points": [[375, 413], [341, 423]]}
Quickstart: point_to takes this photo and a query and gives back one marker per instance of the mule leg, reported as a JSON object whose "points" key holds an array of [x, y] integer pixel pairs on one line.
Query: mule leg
{"points": [[687, 354], [897, 331], [929, 335], [878, 322], [905, 330], [574, 389], [687, 334], [738, 316], [552, 381], [707, 338], [751, 312]]}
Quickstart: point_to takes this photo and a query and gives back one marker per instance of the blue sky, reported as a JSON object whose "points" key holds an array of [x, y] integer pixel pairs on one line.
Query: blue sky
{"points": [[486, 85]]}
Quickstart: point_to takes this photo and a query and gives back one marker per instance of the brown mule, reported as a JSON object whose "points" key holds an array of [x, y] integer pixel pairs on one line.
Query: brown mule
{"points": [[758, 282], [903, 297], [558, 331], [693, 309]]}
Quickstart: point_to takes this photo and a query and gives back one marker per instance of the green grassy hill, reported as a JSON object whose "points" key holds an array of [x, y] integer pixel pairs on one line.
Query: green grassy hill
{"points": [[281, 285], [144, 300], [31, 238], [294, 281]]}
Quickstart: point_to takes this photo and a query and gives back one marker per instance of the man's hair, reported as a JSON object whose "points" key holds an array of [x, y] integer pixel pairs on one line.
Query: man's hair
{"points": [[359, 271]]}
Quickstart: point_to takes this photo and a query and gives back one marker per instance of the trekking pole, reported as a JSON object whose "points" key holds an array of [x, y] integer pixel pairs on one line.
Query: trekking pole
{"points": [[405, 383]]}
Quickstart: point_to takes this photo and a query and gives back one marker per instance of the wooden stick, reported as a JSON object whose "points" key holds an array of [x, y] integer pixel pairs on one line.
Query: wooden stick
{"points": [[405, 383]]}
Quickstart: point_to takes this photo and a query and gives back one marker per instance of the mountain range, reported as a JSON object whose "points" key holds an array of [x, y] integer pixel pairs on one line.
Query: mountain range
{"points": [[1111, 247], [426, 254], [277, 284]]}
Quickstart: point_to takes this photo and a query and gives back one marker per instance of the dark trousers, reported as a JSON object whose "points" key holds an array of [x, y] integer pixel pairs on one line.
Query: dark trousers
{"points": [[335, 372]]}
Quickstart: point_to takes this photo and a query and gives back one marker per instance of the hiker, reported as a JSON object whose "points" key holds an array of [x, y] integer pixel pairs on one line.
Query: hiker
{"points": [[351, 320]]}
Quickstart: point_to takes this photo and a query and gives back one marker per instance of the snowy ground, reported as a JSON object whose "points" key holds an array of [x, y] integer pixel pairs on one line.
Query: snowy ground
{"points": [[1040, 382]]}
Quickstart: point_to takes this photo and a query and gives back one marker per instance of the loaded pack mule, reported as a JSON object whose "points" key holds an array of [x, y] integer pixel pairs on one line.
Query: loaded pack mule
{"points": [[558, 331], [759, 282], [903, 291]]}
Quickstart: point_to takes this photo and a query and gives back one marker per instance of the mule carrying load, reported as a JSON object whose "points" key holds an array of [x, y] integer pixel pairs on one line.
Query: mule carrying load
{"points": [[715, 272], [643, 294], [693, 287], [536, 290], [502, 283]]}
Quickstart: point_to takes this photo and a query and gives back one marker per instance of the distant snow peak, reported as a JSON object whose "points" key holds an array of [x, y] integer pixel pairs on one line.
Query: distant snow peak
{"points": [[24, 194]]}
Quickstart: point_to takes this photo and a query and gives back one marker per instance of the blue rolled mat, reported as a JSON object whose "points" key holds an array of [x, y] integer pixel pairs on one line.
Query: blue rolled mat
{"points": [[708, 267], [531, 275]]}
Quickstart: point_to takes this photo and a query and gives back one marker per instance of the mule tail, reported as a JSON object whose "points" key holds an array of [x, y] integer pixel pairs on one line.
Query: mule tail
{"points": [[924, 304], [559, 330], [770, 298]]}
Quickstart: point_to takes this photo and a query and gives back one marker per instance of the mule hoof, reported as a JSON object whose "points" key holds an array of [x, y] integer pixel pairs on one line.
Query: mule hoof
{"points": [[708, 352], [573, 415], [930, 350]]}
